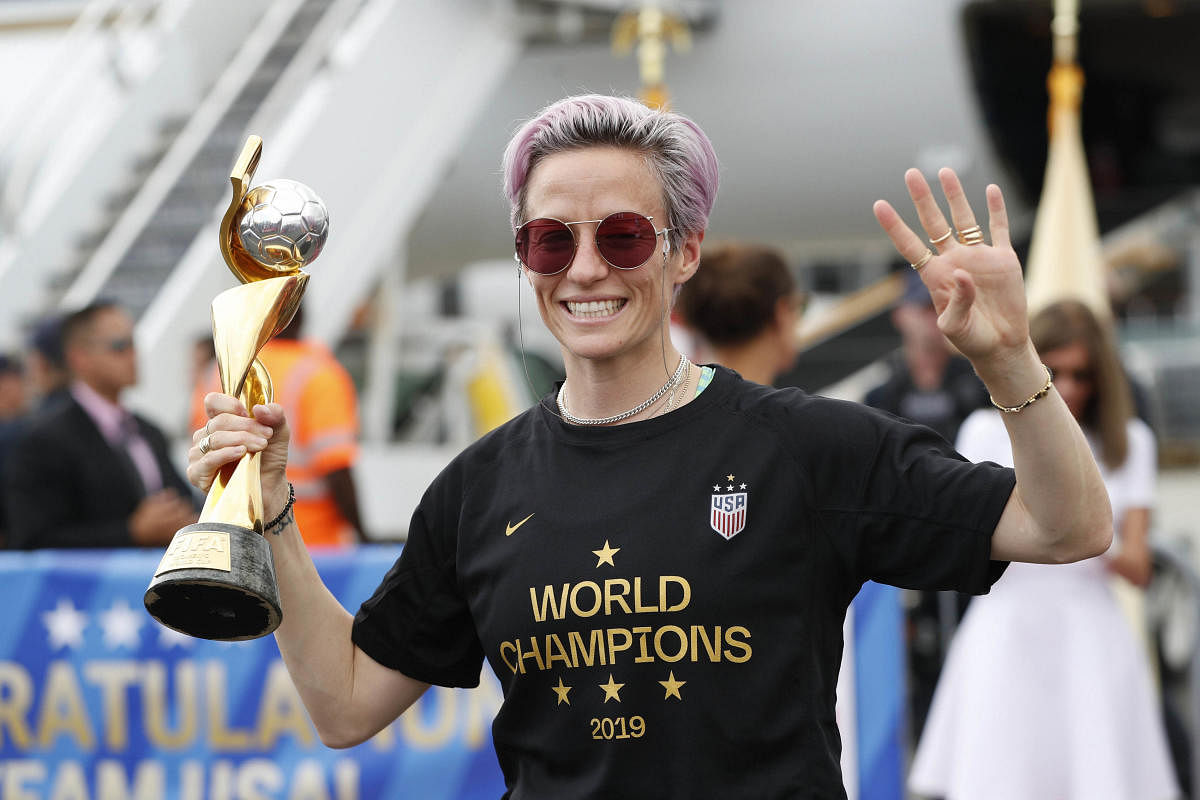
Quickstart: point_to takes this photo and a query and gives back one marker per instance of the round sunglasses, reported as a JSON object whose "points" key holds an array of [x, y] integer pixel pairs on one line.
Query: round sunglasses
{"points": [[625, 240]]}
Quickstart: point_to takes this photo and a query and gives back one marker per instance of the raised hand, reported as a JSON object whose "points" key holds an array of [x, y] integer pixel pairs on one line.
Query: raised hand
{"points": [[977, 288]]}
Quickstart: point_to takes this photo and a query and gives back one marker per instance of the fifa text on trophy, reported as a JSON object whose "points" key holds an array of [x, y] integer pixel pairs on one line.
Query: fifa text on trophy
{"points": [[217, 578]]}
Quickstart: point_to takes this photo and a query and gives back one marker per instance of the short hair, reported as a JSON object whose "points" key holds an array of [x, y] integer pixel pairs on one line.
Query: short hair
{"points": [[733, 295], [46, 340], [10, 365], [75, 325], [676, 150], [1069, 322]]}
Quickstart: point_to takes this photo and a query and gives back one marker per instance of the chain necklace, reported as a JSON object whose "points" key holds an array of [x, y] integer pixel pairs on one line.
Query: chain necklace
{"points": [[574, 420]]}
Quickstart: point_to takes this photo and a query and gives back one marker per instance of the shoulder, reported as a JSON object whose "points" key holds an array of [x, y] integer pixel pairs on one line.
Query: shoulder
{"points": [[813, 427]]}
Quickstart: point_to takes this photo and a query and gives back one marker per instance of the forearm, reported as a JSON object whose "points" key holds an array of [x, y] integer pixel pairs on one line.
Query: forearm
{"points": [[348, 697], [1061, 510]]}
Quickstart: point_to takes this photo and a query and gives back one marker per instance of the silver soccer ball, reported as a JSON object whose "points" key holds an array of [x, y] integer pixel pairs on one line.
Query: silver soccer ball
{"points": [[284, 225]]}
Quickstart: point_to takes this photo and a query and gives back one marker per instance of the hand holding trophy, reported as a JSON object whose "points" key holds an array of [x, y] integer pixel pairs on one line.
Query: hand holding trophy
{"points": [[217, 578]]}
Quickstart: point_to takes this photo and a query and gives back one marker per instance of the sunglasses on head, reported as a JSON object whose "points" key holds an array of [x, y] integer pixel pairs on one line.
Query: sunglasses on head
{"points": [[625, 240]]}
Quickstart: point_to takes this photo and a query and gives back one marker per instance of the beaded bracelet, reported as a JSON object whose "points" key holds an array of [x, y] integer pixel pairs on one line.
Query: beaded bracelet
{"points": [[286, 510], [1038, 395]]}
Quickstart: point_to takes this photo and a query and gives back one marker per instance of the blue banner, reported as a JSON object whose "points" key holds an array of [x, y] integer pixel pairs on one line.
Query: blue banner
{"points": [[100, 702]]}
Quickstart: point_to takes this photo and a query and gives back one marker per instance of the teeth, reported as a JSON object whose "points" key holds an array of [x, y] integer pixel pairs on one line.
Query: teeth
{"points": [[595, 308]]}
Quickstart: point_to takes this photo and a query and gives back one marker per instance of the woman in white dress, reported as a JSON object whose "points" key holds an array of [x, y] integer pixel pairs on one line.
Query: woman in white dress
{"points": [[1046, 692]]}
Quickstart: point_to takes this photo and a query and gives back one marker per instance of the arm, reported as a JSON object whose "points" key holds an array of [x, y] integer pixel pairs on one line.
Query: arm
{"points": [[1059, 510], [349, 696]]}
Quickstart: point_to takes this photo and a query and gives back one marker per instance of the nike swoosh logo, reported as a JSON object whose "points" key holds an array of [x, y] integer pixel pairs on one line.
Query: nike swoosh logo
{"points": [[509, 529]]}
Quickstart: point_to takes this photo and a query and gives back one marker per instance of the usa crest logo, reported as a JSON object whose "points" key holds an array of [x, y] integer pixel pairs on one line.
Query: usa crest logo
{"points": [[727, 514]]}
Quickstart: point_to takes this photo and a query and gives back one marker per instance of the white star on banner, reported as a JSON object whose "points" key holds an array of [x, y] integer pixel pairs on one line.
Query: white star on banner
{"points": [[169, 637], [64, 624], [121, 625]]}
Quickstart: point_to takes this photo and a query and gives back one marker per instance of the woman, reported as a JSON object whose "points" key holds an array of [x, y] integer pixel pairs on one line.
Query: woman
{"points": [[744, 306], [657, 559], [1046, 692]]}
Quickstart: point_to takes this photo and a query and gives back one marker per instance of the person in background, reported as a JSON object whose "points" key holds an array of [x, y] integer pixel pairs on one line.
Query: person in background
{"points": [[46, 365], [322, 408], [743, 306], [13, 405], [1046, 691], [930, 383], [87, 472]]}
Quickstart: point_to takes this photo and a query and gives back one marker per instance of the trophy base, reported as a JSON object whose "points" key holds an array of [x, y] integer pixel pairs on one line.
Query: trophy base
{"points": [[216, 581]]}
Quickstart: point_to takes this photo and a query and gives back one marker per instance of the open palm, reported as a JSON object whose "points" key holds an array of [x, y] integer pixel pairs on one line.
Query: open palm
{"points": [[977, 288]]}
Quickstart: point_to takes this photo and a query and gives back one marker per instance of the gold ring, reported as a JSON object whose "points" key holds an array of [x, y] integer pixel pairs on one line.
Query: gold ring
{"points": [[207, 430], [935, 242], [971, 236], [923, 260], [206, 445]]}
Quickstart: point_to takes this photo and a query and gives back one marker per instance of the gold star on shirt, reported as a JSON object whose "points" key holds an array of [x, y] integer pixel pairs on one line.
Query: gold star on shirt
{"points": [[561, 691], [612, 689], [672, 686], [729, 477], [605, 555]]}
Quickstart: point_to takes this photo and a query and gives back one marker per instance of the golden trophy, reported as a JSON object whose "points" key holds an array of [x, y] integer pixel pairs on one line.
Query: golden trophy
{"points": [[217, 578]]}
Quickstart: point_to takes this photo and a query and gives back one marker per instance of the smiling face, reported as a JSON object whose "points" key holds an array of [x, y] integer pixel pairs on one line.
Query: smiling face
{"points": [[595, 311]]}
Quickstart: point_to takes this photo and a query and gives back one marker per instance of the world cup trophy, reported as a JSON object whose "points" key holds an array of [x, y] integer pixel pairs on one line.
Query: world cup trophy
{"points": [[217, 578]]}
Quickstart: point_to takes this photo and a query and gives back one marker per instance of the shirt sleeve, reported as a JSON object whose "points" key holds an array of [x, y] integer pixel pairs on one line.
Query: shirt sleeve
{"points": [[908, 510], [418, 621]]}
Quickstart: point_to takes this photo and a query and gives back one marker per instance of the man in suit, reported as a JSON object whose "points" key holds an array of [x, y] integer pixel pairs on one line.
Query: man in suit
{"points": [[89, 473]]}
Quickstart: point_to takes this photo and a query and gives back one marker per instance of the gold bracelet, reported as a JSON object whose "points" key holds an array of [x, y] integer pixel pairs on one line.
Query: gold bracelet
{"points": [[1038, 395]]}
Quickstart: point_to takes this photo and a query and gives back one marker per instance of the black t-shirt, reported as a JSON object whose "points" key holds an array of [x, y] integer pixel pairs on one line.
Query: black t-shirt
{"points": [[663, 600]]}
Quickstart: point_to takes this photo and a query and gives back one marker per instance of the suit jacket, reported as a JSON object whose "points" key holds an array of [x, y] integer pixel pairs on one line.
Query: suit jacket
{"points": [[66, 486]]}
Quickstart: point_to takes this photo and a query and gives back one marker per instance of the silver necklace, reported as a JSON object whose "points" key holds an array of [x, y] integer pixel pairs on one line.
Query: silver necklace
{"points": [[574, 420]]}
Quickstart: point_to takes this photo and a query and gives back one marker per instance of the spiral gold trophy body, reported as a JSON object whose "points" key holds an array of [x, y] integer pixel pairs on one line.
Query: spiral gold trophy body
{"points": [[217, 578]]}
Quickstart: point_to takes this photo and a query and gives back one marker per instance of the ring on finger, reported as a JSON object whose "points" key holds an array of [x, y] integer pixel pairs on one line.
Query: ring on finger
{"points": [[923, 260], [936, 242], [971, 235], [207, 429], [206, 445]]}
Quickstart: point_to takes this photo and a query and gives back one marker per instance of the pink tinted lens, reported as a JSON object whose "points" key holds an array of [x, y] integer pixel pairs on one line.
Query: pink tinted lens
{"points": [[545, 245], [625, 239]]}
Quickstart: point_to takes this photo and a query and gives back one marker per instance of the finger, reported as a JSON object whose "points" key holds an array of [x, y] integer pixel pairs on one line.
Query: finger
{"points": [[953, 318], [223, 440], [910, 246], [270, 414], [232, 422], [203, 467], [960, 209], [997, 217], [217, 403], [932, 219]]}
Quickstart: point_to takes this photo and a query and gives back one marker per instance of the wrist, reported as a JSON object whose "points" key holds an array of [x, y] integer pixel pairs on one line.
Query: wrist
{"points": [[1013, 378], [285, 516], [274, 499]]}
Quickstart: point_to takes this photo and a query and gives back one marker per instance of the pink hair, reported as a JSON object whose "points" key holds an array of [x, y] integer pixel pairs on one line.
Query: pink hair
{"points": [[674, 146]]}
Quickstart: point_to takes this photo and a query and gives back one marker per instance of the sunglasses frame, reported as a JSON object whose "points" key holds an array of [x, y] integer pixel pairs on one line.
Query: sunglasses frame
{"points": [[666, 241]]}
